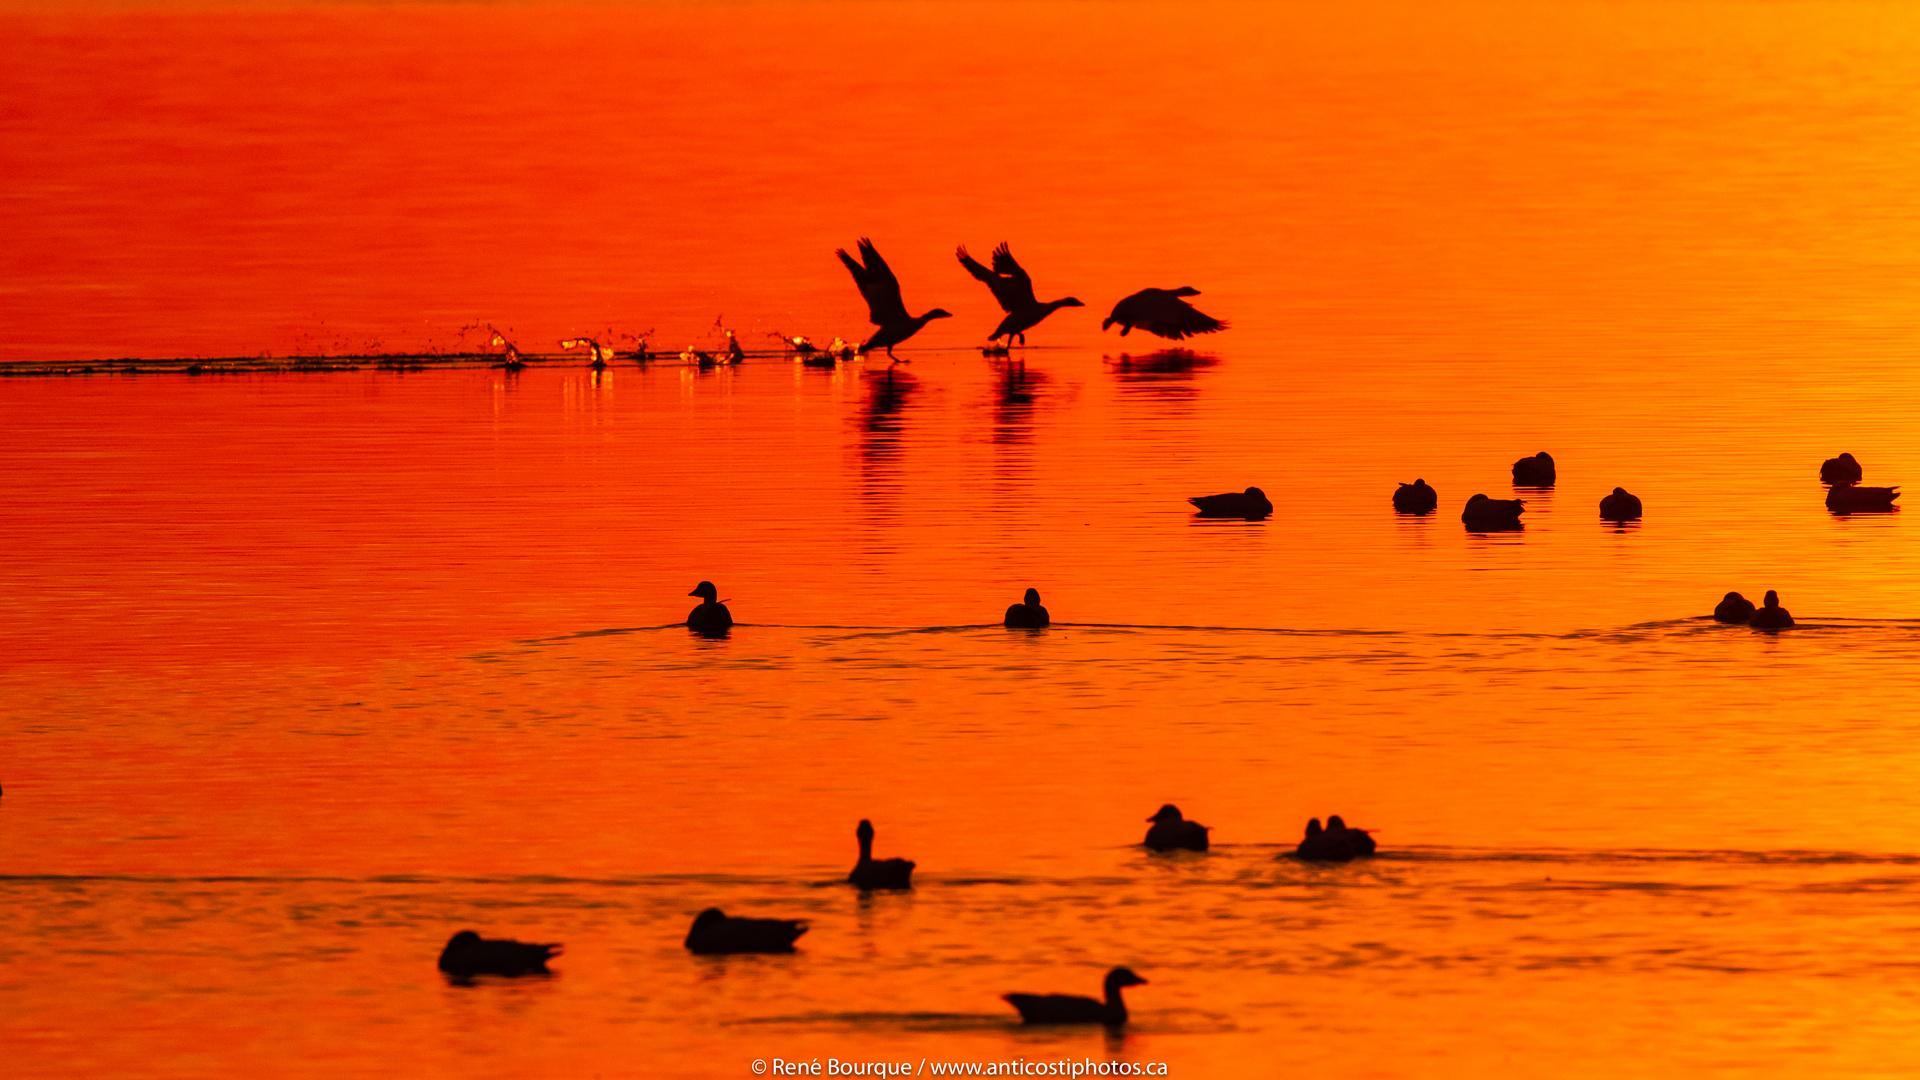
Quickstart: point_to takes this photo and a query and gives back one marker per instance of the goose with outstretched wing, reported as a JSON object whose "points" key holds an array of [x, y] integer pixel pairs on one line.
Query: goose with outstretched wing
{"points": [[1014, 289], [884, 306]]}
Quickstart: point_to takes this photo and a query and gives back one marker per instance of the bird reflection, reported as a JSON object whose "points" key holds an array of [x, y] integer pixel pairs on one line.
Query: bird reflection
{"points": [[888, 393], [1161, 366], [1014, 400]]}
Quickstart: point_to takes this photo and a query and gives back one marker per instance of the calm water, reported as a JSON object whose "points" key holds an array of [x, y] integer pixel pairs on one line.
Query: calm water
{"points": [[308, 671]]}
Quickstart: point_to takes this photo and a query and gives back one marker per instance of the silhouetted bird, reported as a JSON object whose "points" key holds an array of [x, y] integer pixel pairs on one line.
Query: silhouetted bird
{"points": [[884, 307], [468, 954], [1162, 312], [1620, 506], [1854, 499], [1416, 498], [1840, 470], [1335, 843], [871, 873], [714, 931], [1771, 615], [1251, 503], [1069, 1009], [735, 353], [599, 352], [513, 361], [1734, 608], [1171, 832], [1535, 471], [711, 618], [1492, 515], [1028, 615], [1014, 289]]}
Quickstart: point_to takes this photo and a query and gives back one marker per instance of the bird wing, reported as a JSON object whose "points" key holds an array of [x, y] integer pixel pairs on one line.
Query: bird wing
{"points": [[1012, 289], [877, 284], [1183, 319]]}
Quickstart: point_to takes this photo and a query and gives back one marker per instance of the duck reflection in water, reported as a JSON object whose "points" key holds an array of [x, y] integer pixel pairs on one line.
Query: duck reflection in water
{"points": [[711, 618], [1028, 614], [468, 954], [1771, 615], [871, 873], [1072, 1009], [1734, 608], [1163, 364], [1013, 404], [1335, 843], [1171, 832], [715, 933]]}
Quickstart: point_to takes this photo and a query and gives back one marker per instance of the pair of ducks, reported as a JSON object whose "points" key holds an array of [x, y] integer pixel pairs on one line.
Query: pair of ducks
{"points": [[1846, 496], [715, 932], [712, 619], [1335, 843], [1734, 608]]}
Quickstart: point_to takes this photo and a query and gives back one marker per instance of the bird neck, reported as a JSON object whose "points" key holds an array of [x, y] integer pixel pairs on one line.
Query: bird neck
{"points": [[1116, 1007], [866, 849]]}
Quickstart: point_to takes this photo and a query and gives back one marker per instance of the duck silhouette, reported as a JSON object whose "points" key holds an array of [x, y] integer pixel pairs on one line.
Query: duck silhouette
{"points": [[884, 307], [1071, 1009], [1535, 471], [711, 618], [1840, 470], [1162, 312], [1251, 503], [1028, 614], [1620, 506], [870, 873], [1734, 608], [1416, 498], [1171, 832], [468, 954], [1771, 615], [1492, 515], [1854, 499], [1014, 290], [1335, 843], [715, 932]]}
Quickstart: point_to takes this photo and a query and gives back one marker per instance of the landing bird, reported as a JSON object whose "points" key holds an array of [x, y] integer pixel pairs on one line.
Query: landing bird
{"points": [[1171, 832], [1415, 498], [885, 309], [1162, 312], [1071, 1009], [1014, 289], [468, 954], [871, 873], [715, 932]]}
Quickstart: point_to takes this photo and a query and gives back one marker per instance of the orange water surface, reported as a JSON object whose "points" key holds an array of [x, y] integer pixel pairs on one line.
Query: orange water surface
{"points": [[307, 670]]}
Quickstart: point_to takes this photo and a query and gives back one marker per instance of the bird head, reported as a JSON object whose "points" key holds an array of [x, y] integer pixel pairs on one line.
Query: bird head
{"points": [[464, 937], [1334, 824], [939, 313], [1121, 976], [1070, 302], [865, 831], [713, 916], [705, 590], [1256, 491], [1186, 290], [1168, 812], [1619, 491], [1733, 596], [1032, 598], [1313, 827], [1773, 598], [1544, 458], [1476, 499]]}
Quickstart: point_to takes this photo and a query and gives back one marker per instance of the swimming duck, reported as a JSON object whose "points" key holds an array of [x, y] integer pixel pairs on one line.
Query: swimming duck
{"points": [[1162, 312], [1335, 843], [1416, 498], [468, 954], [870, 873], [1854, 499], [1251, 503], [714, 932], [884, 307], [1028, 614], [1535, 471], [1840, 470], [1620, 506], [1072, 1009], [1014, 290], [1771, 615], [1492, 515], [1171, 832], [1734, 608], [711, 618]]}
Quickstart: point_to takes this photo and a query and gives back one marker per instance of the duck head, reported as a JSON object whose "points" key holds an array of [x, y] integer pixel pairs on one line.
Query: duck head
{"points": [[1186, 290], [1068, 302], [1733, 597], [865, 831], [1313, 828], [709, 918], [1848, 458], [938, 313], [1167, 813], [1256, 491], [1773, 599], [464, 937], [1476, 499], [1032, 598], [706, 591], [1334, 824], [1543, 458], [1122, 976]]}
